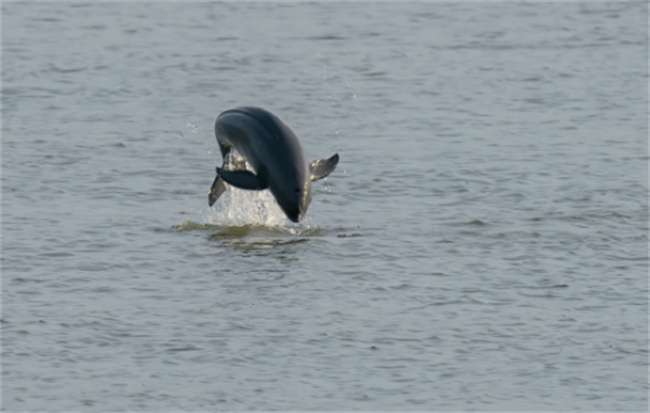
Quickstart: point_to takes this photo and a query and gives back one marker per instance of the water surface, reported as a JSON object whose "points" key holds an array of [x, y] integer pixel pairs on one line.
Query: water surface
{"points": [[482, 244]]}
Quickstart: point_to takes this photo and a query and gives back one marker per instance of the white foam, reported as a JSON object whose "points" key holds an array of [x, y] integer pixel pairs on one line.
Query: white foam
{"points": [[238, 207]]}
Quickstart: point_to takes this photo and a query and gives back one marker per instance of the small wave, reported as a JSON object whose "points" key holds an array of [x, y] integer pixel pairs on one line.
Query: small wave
{"points": [[247, 230], [252, 237]]}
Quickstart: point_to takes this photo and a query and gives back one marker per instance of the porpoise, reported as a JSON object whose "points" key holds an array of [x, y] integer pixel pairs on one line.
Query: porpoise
{"points": [[275, 156]]}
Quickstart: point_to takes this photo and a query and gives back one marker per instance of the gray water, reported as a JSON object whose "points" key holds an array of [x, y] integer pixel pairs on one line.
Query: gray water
{"points": [[482, 244]]}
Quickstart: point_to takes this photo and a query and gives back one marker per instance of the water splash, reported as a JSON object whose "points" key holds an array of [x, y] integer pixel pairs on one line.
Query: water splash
{"points": [[243, 213], [250, 221], [238, 207]]}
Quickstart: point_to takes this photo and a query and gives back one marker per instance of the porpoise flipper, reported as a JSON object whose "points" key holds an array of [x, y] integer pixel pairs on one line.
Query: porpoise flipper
{"points": [[217, 188], [321, 168], [242, 179]]}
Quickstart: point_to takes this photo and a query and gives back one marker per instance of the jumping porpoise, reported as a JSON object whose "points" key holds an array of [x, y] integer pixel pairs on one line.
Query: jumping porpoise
{"points": [[274, 154]]}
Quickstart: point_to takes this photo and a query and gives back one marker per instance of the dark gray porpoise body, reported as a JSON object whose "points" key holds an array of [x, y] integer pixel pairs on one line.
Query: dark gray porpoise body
{"points": [[273, 152]]}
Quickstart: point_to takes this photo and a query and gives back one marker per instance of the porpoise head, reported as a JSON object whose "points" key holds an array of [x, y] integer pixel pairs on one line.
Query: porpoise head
{"points": [[293, 193]]}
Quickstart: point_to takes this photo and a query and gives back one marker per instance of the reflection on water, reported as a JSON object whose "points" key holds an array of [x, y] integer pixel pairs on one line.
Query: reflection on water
{"points": [[252, 237], [256, 244]]}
